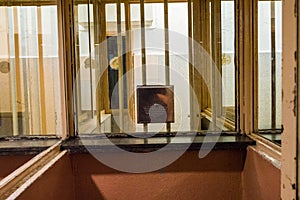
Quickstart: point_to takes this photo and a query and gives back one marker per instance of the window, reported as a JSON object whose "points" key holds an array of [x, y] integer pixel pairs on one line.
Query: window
{"points": [[142, 39], [220, 44], [30, 75], [269, 64], [119, 47], [270, 69]]}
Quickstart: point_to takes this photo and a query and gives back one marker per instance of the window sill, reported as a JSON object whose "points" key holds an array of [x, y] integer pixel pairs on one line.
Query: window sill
{"points": [[267, 147], [35, 145], [30, 145], [99, 143], [273, 137], [227, 123]]}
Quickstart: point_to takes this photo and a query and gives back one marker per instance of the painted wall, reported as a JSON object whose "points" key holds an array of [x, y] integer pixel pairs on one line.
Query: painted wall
{"points": [[260, 178], [56, 183], [81, 176], [10, 163], [217, 176], [223, 174]]}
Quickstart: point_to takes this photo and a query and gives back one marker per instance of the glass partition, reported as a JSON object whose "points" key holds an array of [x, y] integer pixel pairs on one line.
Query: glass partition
{"points": [[269, 64], [30, 72], [270, 69], [134, 45]]}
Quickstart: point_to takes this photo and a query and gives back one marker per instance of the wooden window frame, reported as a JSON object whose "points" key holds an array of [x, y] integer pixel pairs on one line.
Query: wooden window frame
{"points": [[199, 35]]}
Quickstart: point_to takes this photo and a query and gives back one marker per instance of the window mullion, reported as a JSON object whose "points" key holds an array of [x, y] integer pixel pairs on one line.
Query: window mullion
{"points": [[120, 70], [246, 65], [273, 66], [196, 76], [216, 56], [41, 71], [167, 54], [90, 56], [69, 64], [129, 63], [143, 43], [14, 73]]}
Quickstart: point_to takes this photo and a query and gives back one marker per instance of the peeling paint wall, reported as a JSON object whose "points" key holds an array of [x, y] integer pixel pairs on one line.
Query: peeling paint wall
{"points": [[289, 105]]}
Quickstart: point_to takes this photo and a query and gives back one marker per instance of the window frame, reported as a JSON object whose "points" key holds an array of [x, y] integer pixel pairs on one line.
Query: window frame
{"points": [[62, 103], [245, 66], [273, 133]]}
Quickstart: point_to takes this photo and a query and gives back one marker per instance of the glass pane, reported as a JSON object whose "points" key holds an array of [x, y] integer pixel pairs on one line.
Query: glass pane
{"points": [[220, 45], [269, 64], [228, 67], [156, 58], [155, 55], [86, 64], [179, 65], [29, 71], [166, 66]]}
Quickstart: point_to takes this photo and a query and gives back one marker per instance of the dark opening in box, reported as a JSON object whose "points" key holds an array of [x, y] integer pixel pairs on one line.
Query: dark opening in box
{"points": [[155, 104]]}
